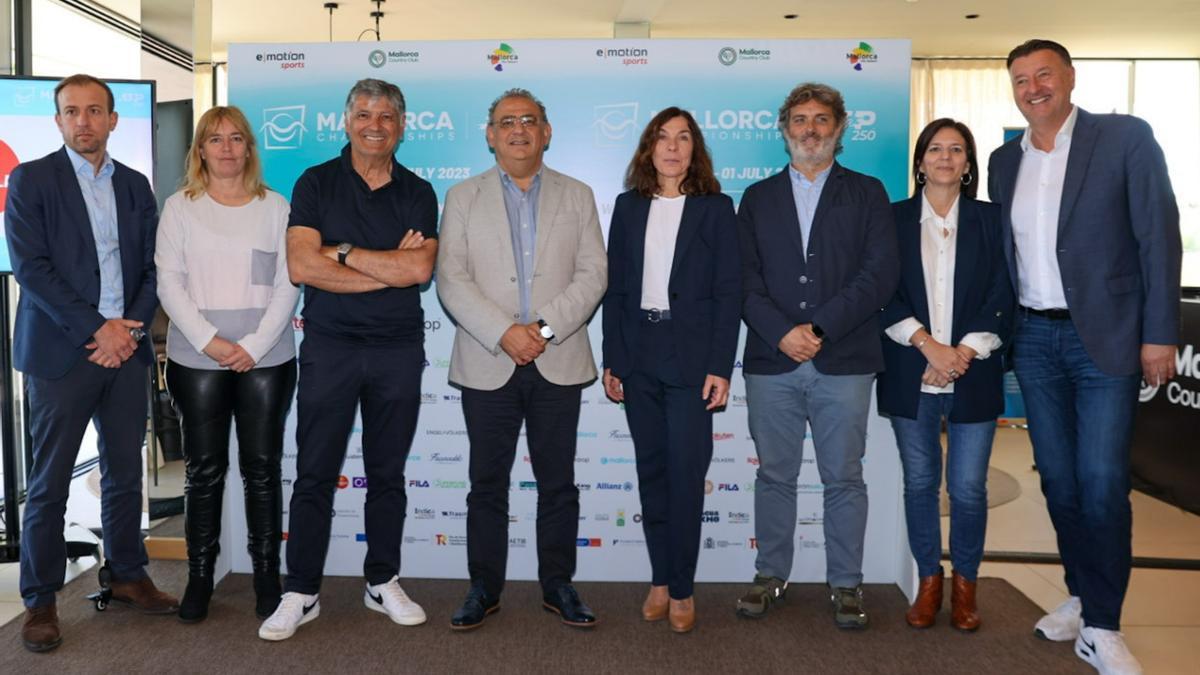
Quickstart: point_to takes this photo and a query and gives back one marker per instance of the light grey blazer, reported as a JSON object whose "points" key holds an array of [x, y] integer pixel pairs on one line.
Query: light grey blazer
{"points": [[477, 278]]}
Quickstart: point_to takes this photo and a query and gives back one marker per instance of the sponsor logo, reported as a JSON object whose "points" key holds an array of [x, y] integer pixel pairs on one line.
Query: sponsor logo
{"points": [[728, 487], [722, 436], [359, 482], [710, 543], [615, 125], [585, 434], [601, 517], [411, 458], [810, 488], [424, 514], [594, 542], [418, 483], [617, 460], [738, 518], [432, 325], [628, 542], [527, 485], [450, 540], [583, 487], [428, 398], [863, 53], [517, 542], [415, 540], [452, 397], [283, 129], [708, 487], [737, 400], [1147, 392], [637, 517], [440, 458], [23, 97], [343, 482], [286, 60], [620, 517], [454, 515], [502, 56], [723, 460], [753, 461], [378, 58], [8, 162], [361, 536], [813, 518], [450, 484], [753, 543], [445, 432], [710, 517], [727, 56], [628, 56], [618, 435], [626, 486], [583, 460]]}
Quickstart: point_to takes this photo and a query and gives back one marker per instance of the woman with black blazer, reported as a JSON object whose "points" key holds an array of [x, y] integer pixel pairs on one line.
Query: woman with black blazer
{"points": [[671, 318], [944, 331]]}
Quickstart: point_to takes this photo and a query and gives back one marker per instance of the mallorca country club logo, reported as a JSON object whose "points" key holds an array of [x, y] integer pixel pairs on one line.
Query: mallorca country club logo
{"points": [[283, 127], [502, 55], [377, 58], [863, 53], [1147, 392], [727, 56]]}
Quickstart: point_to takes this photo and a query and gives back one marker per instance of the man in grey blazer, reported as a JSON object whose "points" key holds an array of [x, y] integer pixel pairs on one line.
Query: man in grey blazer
{"points": [[1091, 231], [521, 269]]}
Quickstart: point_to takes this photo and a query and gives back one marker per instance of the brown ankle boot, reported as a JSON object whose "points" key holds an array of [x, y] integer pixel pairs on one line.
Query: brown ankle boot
{"points": [[963, 614], [40, 631], [655, 606], [928, 602], [683, 615]]}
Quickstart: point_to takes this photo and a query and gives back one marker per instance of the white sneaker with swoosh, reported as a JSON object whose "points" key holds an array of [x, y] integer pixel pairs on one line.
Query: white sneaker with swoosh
{"points": [[389, 598], [295, 610], [1105, 650], [1063, 623]]}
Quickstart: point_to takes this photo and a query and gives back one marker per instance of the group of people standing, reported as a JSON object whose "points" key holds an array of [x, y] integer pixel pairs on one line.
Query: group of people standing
{"points": [[1071, 278]]}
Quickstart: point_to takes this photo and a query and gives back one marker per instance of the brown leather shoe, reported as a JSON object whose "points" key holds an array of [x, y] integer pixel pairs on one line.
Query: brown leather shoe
{"points": [[142, 595], [682, 615], [928, 602], [963, 614], [40, 631], [655, 606]]}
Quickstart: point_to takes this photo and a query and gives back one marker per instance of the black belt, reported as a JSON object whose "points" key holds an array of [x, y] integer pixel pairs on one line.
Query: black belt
{"points": [[656, 315], [1054, 314]]}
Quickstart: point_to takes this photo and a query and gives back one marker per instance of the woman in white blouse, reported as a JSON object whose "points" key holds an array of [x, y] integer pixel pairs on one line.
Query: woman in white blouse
{"points": [[946, 327], [671, 317], [223, 281]]}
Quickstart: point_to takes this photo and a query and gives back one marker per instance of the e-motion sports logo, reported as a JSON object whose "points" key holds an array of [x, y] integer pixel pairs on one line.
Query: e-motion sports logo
{"points": [[283, 127], [615, 124]]}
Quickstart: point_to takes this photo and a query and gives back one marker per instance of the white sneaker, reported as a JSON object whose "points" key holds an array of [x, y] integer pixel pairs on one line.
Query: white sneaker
{"points": [[388, 598], [1063, 623], [295, 610], [1105, 650]]}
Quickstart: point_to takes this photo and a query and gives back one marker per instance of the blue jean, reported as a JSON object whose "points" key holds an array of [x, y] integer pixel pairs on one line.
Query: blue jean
{"points": [[1081, 425], [780, 407], [920, 443]]}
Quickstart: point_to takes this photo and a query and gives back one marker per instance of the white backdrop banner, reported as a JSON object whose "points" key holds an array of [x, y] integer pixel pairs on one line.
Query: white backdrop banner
{"points": [[599, 95]]}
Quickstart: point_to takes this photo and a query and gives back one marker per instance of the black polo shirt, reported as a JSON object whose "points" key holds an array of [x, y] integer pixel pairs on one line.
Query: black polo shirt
{"points": [[333, 199]]}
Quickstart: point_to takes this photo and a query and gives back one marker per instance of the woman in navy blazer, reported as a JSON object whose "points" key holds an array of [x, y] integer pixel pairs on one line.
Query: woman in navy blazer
{"points": [[671, 318], [944, 329]]}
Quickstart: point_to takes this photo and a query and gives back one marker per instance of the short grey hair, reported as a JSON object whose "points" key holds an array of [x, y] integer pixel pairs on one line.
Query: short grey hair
{"points": [[518, 92], [373, 89]]}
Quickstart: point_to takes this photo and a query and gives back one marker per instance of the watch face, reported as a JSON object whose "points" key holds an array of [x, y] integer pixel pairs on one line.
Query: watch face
{"points": [[547, 333]]}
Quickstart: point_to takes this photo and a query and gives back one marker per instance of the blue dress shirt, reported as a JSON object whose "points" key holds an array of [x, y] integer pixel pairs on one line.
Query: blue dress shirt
{"points": [[807, 194], [521, 207], [101, 204]]}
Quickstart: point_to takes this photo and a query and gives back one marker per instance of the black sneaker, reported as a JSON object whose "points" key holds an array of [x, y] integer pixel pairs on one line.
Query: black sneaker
{"points": [[848, 607], [765, 592]]}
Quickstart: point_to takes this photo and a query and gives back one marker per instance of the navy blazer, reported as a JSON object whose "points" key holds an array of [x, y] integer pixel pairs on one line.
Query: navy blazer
{"points": [[983, 303], [849, 273], [705, 286], [54, 260], [1119, 249]]}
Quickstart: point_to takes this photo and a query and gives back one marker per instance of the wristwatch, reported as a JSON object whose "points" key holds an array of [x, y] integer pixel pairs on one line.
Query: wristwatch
{"points": [[816, 330], [343, 250], [545, 330]]}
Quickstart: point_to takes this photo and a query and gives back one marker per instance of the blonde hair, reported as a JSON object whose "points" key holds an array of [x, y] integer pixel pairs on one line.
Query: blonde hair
{"points": [[195, 178]]}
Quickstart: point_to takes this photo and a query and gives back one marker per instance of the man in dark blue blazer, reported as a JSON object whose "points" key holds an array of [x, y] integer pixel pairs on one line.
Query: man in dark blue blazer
{"points": [[1091, 233], [819, 260], [80, 230]]}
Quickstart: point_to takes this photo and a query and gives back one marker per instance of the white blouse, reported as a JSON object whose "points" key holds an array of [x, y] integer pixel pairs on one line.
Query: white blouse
{"points": [[662, 229], [939, 239], [222, 270]]}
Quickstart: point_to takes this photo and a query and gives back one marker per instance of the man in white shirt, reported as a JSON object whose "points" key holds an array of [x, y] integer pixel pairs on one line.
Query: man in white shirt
{"points": [[1091, 232]]}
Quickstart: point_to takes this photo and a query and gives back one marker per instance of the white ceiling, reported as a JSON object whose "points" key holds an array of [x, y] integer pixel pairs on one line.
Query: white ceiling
{"points": [[1089, 28]]}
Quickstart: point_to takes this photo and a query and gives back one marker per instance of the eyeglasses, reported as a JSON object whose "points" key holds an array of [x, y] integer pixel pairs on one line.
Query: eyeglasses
{"points": [[510, 122]]}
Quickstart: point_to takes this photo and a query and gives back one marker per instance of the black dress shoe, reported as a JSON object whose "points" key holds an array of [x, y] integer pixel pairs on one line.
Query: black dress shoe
{"points": [[475, 609], [565, 602]]}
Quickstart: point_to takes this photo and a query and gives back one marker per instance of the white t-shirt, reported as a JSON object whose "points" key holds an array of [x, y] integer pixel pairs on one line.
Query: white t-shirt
{"points": [[662, 229]]}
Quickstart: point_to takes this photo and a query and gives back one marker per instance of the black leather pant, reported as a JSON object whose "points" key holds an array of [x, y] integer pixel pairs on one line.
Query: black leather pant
{"points": [[208, 401]]}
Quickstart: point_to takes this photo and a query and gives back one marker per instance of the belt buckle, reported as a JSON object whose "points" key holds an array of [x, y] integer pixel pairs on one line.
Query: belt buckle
{"points": [[655, 315]]}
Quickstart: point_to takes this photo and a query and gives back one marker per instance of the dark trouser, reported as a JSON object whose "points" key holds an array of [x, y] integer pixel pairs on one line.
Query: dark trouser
{"points": [[1081, 425], [551, 416], [335, 378], [672, 437], [115, 400], [208, 401]]}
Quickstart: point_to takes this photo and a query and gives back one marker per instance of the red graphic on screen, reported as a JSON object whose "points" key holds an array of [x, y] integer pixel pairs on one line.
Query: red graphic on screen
{"points": [[8, 162]]}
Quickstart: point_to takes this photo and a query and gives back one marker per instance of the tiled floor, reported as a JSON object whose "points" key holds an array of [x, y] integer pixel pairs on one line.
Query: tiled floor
{"points": [[1162, 609]]}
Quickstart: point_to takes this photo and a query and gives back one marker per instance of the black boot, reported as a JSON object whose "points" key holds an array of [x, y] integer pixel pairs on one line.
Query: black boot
{"points": [[194, 606], [267, 590]]}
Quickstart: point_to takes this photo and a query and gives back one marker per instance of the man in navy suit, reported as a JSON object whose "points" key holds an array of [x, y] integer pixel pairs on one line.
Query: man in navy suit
{"points": [[1091, 234], [80, 232], [819, 260]]}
